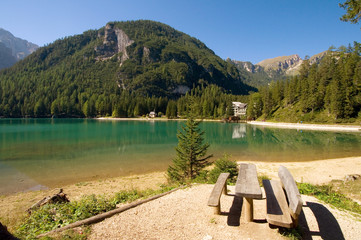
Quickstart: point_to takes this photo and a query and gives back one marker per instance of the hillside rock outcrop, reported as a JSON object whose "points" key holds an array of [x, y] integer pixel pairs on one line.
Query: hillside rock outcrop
{"points": [[115, 41], [281, 64]]}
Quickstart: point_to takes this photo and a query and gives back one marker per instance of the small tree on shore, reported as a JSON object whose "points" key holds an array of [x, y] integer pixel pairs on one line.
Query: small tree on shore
{"points": [[190, 152]]}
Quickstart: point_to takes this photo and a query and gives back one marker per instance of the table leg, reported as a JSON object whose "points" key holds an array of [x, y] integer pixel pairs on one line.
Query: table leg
{"points": [[248, 209]]}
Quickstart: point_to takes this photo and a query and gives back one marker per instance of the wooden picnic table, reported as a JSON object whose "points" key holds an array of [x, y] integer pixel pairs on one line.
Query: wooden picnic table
{"points": [[247, 186]]}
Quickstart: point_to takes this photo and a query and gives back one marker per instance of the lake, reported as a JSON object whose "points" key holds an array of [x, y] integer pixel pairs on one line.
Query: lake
{"points": [[41, 153]]}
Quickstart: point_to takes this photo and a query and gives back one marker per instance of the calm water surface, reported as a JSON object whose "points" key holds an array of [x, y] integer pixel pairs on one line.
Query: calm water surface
{"points": [[40, 153]]}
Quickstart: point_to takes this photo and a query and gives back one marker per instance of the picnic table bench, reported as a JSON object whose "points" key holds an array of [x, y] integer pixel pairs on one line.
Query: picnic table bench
{"points": [[284, 203], [219, 187], [247, 186]]}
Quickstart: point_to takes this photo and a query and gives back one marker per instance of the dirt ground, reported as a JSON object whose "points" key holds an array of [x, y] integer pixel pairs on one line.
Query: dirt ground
{"points": [[184, 214]]}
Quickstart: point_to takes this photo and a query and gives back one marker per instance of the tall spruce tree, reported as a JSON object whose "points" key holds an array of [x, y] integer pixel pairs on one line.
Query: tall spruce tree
{"points": [[191, 151]]}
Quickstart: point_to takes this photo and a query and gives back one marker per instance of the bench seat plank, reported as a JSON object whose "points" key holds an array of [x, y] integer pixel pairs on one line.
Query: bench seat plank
{"points": [[213, 200], [277, 208], [293, 195]]}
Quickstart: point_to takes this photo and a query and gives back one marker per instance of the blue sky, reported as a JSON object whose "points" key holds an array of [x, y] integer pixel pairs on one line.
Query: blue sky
{"points": [[239, 29]]}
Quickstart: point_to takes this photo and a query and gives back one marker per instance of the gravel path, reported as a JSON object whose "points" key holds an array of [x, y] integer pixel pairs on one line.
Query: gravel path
{"points": [[184, 214]]}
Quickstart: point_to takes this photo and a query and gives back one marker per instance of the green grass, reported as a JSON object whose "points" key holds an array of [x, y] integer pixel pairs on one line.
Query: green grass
{"points": [[291, 233], [261, 178], [52, 216], [348, 188], [327, 194]]}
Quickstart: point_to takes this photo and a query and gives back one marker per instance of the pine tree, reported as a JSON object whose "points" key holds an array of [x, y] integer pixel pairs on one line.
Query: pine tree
{"points": [[190, 152], [353, 11]]}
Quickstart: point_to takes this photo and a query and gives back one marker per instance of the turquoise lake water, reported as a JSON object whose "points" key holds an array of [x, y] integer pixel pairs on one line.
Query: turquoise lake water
{"points": [[40, 153]]}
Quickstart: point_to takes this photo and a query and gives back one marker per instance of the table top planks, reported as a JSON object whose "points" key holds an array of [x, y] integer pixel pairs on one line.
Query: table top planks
{"points": [[247, 183]]}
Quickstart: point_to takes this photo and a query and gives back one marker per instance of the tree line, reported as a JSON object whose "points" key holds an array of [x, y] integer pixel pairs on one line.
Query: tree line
{"points": [[212, 102], [323, 92]]}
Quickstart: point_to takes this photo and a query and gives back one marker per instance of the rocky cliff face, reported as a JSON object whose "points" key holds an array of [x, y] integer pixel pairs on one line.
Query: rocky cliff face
{"points": [[20, 48], [114, 41], [248, 66], [273, 69], [317, 58], [13, 49], [285, 65], [281, 64]]}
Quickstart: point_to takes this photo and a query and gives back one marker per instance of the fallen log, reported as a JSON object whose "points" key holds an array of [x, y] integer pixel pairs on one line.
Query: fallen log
{"points": [[55, 198], [102, 216]]}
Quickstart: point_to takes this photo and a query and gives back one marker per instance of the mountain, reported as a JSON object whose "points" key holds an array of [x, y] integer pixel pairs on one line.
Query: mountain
{"points": [[256, 75], [6, 57], [142, 58], [271, 69], [17, 47], [283, 65]]}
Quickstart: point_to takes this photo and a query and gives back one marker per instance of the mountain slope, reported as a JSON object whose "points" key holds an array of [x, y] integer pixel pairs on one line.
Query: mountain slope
{"points": [[284, 64], [19, 48], [144, 58], [6, 57], [272, 69]]}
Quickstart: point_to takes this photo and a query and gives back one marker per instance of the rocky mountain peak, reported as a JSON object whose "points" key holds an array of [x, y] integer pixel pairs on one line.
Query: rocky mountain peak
{"points": [[281, 64]]}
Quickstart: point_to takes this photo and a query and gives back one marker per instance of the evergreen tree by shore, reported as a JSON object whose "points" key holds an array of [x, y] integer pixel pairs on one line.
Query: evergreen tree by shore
{"points": [[191, 151]]}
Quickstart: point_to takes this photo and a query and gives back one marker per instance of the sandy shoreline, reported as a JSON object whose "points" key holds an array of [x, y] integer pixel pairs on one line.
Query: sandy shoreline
{"points": [[153, 119], [305, 126]]}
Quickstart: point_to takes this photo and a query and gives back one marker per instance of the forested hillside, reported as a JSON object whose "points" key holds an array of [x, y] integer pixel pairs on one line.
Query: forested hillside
{"points": [[325, 92], [124, 69]]}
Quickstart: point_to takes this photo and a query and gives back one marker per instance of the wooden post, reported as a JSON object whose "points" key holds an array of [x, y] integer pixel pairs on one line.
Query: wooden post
{"points": [[225, 189], [248, 209], [217, 210]]}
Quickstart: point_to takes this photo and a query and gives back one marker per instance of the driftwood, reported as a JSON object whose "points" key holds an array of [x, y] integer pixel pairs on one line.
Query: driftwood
{"points": [[102, 216], [55, 198]]}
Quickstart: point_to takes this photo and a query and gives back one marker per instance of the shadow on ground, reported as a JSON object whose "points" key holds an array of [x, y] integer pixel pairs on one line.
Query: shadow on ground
{"points": [[5, 235], [328, 226], [235, 212]]}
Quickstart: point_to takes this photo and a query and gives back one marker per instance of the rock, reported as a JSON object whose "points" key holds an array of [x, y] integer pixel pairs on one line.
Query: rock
{"points": [[352, 177], [115, 41], [207, 237]]}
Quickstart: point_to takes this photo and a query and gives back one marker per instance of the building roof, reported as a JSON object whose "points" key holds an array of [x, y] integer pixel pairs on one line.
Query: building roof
{"points": [[239, 104]]}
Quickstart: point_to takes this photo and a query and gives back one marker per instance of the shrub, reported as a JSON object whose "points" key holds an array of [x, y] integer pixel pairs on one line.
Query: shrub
{"points": [[224, 165]]}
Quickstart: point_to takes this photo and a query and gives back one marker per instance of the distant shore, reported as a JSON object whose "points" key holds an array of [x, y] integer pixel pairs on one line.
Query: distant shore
{"points": [[300, 126], [305, 126], [153, 119]]}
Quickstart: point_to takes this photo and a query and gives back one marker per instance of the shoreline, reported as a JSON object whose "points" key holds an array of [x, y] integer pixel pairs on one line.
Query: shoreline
{"points": [[154, 119], [307, 126], [313, 171], [284, 125]]}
